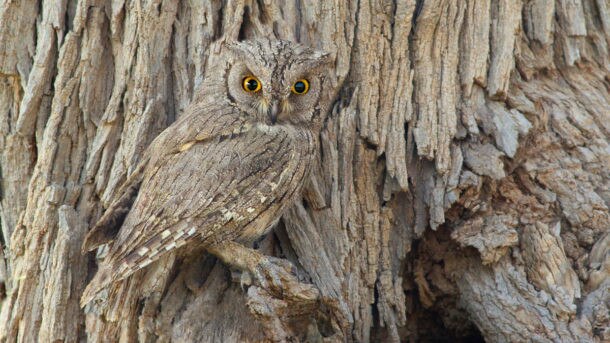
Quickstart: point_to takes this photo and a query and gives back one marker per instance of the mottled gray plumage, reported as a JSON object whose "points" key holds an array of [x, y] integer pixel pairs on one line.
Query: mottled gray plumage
{"points": [[225, 171]]}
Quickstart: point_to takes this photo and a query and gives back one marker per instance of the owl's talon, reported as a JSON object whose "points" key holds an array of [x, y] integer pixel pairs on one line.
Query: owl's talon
{"points": [[273, 273], [245, 280], [285, 264]]}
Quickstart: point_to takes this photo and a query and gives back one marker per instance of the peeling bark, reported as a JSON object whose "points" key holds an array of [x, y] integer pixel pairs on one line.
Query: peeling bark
{"points": [[462, 189]]}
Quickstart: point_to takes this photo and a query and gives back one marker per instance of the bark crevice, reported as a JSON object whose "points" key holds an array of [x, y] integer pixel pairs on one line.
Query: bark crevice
{"points": [[461, 192]]}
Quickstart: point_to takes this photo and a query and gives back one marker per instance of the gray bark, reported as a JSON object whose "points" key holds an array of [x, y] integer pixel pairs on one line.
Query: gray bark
{"points": [[462, 189]]}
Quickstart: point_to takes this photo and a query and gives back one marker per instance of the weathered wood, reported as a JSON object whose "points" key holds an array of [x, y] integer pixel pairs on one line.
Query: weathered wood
{"points": [[462, 188]]}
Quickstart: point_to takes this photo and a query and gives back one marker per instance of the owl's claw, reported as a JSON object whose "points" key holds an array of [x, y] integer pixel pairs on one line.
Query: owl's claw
{"points": [[243, 278], [273, 273], [276, 275], [278, 278]]}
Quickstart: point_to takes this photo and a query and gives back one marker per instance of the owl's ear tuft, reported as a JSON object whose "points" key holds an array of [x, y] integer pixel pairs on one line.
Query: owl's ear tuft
{"points": [[239, 50], [324, 57], [317, 61]]}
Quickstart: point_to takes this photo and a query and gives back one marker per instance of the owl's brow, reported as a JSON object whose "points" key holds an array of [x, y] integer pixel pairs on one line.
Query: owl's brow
{"points": [[280, 72]]}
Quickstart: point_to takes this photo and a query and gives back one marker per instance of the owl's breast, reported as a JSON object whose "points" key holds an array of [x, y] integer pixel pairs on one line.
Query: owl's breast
{"points": [[294, 154]]}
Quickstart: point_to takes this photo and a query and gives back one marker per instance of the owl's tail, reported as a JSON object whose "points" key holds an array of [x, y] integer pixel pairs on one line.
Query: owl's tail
{"points": [[100, 281]]}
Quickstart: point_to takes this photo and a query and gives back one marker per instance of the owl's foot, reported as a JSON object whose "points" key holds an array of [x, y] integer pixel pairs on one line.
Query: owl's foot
{"points": [[269, 272], [273, 274], [276, 291]]}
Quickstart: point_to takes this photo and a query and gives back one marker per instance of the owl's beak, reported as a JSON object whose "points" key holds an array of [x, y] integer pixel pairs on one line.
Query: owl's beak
{"points": [[273, 111]]}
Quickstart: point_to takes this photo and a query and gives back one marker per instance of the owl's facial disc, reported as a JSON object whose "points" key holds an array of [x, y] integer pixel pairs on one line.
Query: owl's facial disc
{"points": [[277, 82]]}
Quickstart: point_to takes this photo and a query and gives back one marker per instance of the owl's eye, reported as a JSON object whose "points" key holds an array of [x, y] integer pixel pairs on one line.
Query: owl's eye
{"points": [[251, 84], [300, 87]]}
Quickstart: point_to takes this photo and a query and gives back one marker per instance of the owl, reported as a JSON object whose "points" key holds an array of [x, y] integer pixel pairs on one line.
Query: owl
{"points": [[221, 176]]}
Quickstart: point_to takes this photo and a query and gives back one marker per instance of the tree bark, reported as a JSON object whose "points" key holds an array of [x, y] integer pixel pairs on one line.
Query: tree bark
{"points": [[462, 190]]}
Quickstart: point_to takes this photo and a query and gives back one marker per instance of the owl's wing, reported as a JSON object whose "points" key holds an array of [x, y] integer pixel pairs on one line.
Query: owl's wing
{"points": [[207, 191], [106, 228], [194, 125]]}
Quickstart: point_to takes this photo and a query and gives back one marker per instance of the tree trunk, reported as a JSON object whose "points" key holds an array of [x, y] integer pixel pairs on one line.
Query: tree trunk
{"points": [[462, 191]]}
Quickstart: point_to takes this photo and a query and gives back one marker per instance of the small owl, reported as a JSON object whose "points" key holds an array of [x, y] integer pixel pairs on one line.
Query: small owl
{"points": [[222, 175]]}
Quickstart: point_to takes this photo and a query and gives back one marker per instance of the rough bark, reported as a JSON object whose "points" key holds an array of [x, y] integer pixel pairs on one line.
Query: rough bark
{"points": [[462, 189]]}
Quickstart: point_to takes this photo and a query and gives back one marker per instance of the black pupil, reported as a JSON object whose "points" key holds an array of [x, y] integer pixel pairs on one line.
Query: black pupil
{"points": [[299, 87], [251, 84]]}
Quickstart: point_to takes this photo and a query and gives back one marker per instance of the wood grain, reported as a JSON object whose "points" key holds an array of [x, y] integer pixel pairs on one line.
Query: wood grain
{"points": [[462, 189]]}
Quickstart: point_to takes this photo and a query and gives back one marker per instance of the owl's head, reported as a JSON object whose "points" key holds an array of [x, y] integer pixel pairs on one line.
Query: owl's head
{"points": [[277, 82]]}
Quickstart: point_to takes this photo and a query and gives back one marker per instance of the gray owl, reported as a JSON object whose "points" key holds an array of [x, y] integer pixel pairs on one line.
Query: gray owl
{"points": [[221, 176]]}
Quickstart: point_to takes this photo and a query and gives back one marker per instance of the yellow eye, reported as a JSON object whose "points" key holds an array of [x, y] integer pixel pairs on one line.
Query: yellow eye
{"points": [[251, 84], [300, 87]]}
